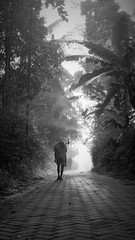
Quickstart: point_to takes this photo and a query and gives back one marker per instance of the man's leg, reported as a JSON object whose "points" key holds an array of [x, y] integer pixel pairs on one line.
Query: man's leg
{"points": [[62, 169], [58, 170]]}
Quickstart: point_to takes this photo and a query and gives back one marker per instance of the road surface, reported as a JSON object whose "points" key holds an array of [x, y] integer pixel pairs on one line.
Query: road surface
{"points": [[82, 206]]}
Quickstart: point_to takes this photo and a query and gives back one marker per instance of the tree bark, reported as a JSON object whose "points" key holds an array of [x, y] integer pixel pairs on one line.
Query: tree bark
{"points": [[29, 72]]}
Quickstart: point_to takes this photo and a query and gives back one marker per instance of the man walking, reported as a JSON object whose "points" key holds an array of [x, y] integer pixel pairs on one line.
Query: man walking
{"points": [[60, 150]]}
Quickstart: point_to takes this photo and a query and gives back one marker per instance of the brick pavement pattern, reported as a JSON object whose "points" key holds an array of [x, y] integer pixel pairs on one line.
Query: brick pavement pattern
{"points": [[82, 206]]}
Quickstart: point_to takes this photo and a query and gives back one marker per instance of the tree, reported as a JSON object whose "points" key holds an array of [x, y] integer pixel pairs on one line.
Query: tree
{"points": [[100, 16], [109, 82], [22, 37], [109, 74], [28, 62], [59, 5], [15, 31]]}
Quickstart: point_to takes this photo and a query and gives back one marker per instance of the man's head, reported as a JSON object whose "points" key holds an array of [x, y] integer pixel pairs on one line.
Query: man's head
{"points": [[59, 139]]}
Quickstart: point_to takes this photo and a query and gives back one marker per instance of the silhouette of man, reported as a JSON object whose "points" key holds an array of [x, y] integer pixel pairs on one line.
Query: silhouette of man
{"points": [[60, 150]]}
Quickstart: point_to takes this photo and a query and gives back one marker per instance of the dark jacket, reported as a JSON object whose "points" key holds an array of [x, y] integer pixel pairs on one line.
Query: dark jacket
{"points": [[60, 150]]}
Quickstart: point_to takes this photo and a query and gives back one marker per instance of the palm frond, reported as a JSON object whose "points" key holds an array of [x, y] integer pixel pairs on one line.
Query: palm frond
{"points": [[117, 117], [103, 52], [73, 57], [74, 98], [88, 59], [108, 98], [88, 78], [101, 107]]}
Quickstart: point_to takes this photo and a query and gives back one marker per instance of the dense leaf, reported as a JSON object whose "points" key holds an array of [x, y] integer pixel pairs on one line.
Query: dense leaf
{"points": [[88, 78], [74, 98], [117, 117], [99, 18], [59, 4], [120, 31], [103, 52]]}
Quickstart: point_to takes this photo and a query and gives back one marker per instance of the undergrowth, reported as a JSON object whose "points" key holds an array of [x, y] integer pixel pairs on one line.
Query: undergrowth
{"points": [[21, 154], [115, 155]]}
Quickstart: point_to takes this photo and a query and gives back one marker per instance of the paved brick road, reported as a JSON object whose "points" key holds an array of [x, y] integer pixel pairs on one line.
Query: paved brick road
{"points": [[82, 206]]}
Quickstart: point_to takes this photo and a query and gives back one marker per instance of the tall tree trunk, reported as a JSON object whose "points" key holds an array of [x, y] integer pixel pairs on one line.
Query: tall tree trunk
{"points": [[6, 92], [29, 72], [28, 90], [7, 79]]}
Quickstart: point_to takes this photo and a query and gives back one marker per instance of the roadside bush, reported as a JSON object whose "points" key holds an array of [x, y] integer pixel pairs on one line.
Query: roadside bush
{"points": [[124, 157], [117, 156], [103, 150], [21, 154]]}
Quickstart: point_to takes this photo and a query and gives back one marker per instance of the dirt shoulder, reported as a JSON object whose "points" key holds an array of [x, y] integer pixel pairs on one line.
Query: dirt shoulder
{"points": [[10, 198]]}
